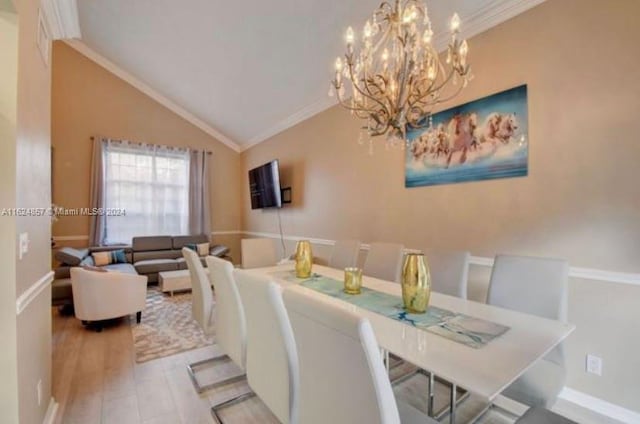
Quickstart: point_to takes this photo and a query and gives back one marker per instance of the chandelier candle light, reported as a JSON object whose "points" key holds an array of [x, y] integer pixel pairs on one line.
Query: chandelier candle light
{"points": [[395, 75]]}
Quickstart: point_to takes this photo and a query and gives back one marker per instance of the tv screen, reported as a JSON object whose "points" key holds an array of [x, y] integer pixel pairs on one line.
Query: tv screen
{"points": [[264, 186]]}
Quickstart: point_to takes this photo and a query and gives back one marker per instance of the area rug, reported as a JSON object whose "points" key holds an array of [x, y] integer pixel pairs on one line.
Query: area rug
{"points": [[167, 327]]}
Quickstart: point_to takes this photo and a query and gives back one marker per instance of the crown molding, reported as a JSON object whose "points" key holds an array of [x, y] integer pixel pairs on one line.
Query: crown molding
{"points": [[91, 54], [301, 115], [487, 17], [62, 18], [495, 13]]}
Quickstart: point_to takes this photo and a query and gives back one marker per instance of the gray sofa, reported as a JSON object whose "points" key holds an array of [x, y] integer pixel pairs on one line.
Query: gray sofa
{"points": [[146, 256]]}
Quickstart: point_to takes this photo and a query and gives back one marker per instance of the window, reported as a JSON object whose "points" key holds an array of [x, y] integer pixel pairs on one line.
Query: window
{"points": [[151, 185]]}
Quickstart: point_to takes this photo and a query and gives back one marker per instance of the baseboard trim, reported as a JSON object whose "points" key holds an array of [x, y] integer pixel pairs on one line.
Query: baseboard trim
{"points": [[52, 411], [600, 406], [33, 292]]}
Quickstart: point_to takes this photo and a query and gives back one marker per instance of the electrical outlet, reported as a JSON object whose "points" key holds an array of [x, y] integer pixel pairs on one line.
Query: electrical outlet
{"points": [[594, 365], [39, 390], [23, 247]]}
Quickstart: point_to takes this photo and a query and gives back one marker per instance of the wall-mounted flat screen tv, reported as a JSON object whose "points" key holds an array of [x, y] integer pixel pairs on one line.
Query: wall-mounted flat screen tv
{"points": [[264, 186]]}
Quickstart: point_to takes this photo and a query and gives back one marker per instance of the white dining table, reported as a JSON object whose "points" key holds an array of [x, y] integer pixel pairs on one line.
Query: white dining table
{"points": [[484, 371]]}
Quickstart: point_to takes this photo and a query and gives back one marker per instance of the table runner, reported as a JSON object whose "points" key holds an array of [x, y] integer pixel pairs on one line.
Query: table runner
{"points": [[472, 332]]}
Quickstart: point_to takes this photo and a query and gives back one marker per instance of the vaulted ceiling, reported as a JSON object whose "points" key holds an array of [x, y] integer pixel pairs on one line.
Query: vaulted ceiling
{"points": [[249, 68]]}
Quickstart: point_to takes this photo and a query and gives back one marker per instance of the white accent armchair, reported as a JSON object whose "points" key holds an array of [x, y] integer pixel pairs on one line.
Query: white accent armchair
{"points": [[100, 296]]}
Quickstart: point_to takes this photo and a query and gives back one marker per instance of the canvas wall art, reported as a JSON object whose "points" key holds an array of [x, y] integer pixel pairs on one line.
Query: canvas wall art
{"points": [[481, 140]]}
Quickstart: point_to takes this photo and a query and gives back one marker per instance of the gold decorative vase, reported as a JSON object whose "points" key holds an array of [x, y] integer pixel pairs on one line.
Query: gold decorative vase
{"points": [[416, 283], [352, 280], [304, 259]]}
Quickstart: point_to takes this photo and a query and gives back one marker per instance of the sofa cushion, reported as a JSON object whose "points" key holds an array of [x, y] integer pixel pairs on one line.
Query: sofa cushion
{"points": [[156, 254], [182, 263], [151, 266], [63, 271], [61, 290], [152, 243], [125, 268], [180, 241], [71, 256]]}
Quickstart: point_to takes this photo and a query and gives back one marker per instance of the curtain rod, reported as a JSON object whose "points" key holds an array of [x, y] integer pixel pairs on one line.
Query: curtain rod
{"points": [[207, 151]]}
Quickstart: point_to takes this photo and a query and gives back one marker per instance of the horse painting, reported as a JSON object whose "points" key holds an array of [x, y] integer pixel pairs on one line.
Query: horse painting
{"points": [[474, 141]]}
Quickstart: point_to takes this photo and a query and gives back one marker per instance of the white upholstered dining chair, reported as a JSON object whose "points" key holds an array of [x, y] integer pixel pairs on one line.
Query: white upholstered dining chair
{"points": [[384, 261], [536, 286], [449, 271], [272, 361], [342, 376], [228, 319], [258, 253], [344, 254]]}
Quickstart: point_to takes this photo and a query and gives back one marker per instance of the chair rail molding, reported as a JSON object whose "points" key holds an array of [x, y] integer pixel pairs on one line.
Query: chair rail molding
{"points": [[33, 292], [70, 238], [575, 272], [52, 411]]}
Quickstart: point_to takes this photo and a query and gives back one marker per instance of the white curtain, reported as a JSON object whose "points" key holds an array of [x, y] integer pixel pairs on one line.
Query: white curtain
{"points": [[150, 184]]}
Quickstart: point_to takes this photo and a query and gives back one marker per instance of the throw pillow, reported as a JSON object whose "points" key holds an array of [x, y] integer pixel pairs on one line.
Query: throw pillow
{"points": [[101, 258], [191, 246], [203, 249], [109, 257]]}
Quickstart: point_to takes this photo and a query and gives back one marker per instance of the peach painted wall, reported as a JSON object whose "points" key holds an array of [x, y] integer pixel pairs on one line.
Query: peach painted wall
{"points": [[580, 201], [89, 100]]}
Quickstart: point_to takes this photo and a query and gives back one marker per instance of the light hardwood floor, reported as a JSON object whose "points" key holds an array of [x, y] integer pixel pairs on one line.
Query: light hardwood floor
{"points": [[97, 381]]}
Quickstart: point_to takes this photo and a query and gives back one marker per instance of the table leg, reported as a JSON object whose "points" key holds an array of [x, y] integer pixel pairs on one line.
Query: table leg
{"points": [[431, 394], [452, 406]]}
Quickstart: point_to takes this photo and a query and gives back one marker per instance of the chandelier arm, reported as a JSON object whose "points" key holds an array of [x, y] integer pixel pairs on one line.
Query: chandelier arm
{"points": [[421, 100], [346, 105], [359, 90]]}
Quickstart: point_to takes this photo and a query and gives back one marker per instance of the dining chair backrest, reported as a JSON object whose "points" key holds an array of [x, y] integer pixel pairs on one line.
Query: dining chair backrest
{"points": [[231, 329], [342, 376], [384, 261], [536, 286], [258, 253], [345, 254], [201, 295], [449, 271], [272, 361]]}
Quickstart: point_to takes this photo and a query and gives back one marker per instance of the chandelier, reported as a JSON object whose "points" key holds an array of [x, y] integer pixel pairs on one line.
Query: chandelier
{"points": [[394, 75]]}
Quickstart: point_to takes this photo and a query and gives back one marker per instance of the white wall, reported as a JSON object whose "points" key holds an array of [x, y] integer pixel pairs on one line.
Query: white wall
{"points": [[8, 104]]}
